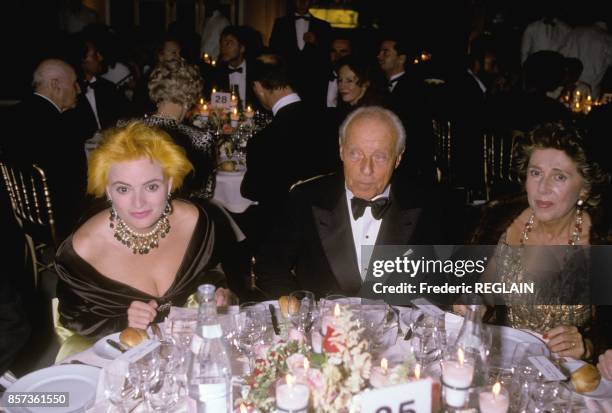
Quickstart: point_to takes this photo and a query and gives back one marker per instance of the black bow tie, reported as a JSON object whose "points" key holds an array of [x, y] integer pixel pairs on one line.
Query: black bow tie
{"points": [[302, 17], [333, 76], [391, 83], [230, 70], [87, 84], [378, 206]]}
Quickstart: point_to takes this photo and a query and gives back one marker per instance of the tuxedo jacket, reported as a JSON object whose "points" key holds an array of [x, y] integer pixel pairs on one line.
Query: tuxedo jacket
{"points": [[219, 79], [312, 246], [309, 67], [110, 105], [299, 143], [38, 133], [408, 100]]}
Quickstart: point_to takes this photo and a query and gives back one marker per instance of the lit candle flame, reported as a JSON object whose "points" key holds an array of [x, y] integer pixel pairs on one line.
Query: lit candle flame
{"points": [[243, 408], [417, 371], [306, 364], [337, 310], [249, 108], [577, 93], [235, 112], [214, 90], [201, 101], [205, 55], [290, 379], [460, 356], [205, 106], [589, 98], [416, 61], [384, 365], [496, 389], [214, 63], [233, 97]]}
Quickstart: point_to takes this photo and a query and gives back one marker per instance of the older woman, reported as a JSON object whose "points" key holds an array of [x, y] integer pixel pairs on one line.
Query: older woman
{"points": [[175, 86], [563, 191], [125, 266]]}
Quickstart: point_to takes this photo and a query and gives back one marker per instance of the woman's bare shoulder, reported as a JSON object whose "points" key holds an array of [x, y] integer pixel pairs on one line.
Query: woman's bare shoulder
{"points": [[185, 213], [88, 240]]}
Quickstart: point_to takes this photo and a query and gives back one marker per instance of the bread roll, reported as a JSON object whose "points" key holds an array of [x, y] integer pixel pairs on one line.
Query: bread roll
{"points": [[131, 337], [586, 378], [288, 305], [227, 166]]}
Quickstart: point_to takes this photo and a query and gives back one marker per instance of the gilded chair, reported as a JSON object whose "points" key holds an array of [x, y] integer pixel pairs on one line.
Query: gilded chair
{"points": [[442, 150], [498, 161], [30, 200]]}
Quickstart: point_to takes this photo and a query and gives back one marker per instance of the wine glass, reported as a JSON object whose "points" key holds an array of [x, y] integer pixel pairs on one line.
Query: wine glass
{"points": [[163, 393], [377, 319], [303, 315], [525, 373], [252, 327], [428, 336], [117, 387]]}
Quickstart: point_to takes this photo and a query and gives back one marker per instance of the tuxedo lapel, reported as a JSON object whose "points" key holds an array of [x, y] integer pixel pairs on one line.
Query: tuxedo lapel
{"points": [[397, 227], [336, 236]]}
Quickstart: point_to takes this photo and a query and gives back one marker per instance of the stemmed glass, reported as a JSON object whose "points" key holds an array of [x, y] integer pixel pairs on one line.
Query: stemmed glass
{"points": [[525, 373], [117, 387], [143, 371], [302, 316], [378, 320], [428, 336], [252, 326]]}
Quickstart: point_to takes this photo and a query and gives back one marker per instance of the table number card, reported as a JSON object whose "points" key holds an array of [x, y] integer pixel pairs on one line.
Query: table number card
{"points": [[413, 397], [138, 352], [221, 100], [547, 368]]}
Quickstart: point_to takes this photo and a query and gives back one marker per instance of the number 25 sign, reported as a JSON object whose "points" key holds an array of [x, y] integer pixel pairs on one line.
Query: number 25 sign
{"points": [[414, 397]]}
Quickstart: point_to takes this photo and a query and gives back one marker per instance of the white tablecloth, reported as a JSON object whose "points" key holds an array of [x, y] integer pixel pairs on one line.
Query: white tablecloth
{"points": [[227, 191]]}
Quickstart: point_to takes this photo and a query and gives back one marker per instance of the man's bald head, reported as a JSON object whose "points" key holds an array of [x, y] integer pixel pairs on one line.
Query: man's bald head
{"points": [[56, 80]]}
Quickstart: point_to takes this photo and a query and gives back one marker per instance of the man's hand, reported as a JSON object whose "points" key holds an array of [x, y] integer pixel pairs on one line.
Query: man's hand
{"points": [[605, 364], [225, 297], [310, 37], [141, 314]]}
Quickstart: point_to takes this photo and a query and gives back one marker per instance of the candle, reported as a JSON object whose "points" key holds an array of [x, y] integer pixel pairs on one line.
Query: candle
{"points": [[233, 101], [234, 118], [379, 376], [214, 90], [292, 396], [417, 371], [495, 401], [249, 112], [214, 63], [457, 377]]}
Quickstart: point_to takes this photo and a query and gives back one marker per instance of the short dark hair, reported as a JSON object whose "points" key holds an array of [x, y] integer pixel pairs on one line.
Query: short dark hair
{"points": [[358, 65], [237, 32], [401, 45], [271, 72], [568, 139]]}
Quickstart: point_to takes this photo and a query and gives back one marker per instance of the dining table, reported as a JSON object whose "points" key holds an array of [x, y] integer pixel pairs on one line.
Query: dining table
{"points": [[79, 374]]}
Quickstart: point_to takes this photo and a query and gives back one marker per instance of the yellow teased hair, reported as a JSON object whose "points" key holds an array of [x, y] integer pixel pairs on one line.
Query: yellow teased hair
{"points": [[131, 142]]}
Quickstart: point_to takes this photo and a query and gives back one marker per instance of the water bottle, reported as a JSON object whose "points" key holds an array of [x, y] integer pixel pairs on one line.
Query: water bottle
{"points": [[471, 338], [210, 374]]}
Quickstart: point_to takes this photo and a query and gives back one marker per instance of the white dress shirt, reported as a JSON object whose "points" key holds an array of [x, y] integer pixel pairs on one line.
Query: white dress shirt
{"points": [[239, 79], [365, 229], [284, 101], [593, 46], [91, 98], [391, 81], [332, 93], [211, 32], [301, 27], [539, 35], [480, 84]]}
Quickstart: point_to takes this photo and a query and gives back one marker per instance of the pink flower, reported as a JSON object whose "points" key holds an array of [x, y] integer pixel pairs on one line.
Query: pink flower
{"points": [[296, 335], [315, 379], [295, 364]]}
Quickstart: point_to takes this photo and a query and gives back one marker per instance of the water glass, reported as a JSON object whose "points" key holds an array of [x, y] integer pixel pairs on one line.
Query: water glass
{"points": [[117, 388], [252, 327], [525, 373], [163, 392], [428, 336], [303, 316]]}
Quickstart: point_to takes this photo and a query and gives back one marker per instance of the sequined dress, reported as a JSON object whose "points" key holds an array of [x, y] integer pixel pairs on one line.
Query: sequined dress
{"points": [[560, 276]]}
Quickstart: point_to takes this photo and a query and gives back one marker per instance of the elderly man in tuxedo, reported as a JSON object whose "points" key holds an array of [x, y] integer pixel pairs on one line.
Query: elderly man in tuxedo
{"points": [[40, 132], [317, 245]]}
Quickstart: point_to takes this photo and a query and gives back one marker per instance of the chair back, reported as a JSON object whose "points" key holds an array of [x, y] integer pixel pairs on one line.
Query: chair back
{"points": [[499, 161], [30, 199], [442, 150]]}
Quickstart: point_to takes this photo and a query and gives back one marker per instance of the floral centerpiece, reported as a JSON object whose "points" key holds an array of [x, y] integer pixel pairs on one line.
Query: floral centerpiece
{"points": [[334, 376]]}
